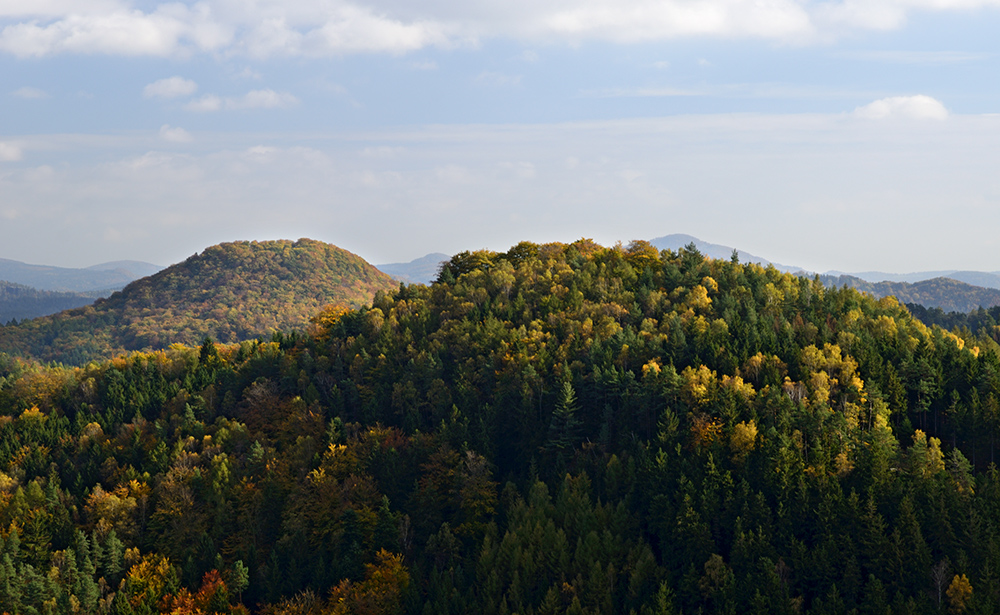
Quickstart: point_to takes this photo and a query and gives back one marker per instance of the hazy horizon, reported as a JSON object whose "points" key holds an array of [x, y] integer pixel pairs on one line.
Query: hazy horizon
{"points": [[830, 135]]}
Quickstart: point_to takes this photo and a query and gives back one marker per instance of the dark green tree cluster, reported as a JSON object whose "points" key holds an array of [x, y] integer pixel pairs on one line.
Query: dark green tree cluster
{"points": [[554, 429], [19, 302], [977, 322]]}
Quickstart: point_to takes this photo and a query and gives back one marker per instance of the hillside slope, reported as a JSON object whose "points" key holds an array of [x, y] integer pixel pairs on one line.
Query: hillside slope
{"points": [[23, 302], [229, 292], [948, 294], [552, 430]]}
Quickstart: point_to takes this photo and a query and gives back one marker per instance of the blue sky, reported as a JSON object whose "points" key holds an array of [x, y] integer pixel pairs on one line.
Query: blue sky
{"points": [[850, 135]]}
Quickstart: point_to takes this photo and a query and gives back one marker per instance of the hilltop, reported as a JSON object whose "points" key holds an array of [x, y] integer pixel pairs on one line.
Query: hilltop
{"points": [[949, 290], [553, 429], [229, 292], [677, 241]]}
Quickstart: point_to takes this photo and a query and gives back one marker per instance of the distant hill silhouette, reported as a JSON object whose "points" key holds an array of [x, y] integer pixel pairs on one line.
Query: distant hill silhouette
{"points": [[419, 271], [229, 292], [714, 250], [951, 290], [103, 277], [986, 279], [945, 293]]}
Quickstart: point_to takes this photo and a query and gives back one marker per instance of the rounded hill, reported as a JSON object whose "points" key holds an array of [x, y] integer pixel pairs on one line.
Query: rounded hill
{"points": [[229, 292]]}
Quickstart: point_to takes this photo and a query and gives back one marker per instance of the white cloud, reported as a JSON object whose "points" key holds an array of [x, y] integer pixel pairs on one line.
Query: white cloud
{"points": [[171, 87], [249, 73], [205, 104], [722, 177], [55, 8], [355, 29], [263, 99], [646, 20], [917, 107], [147, 160], [9, 152], [266, 28], [261, 153], [175, 135], [254, 99], [29, 93], [123, 32]]}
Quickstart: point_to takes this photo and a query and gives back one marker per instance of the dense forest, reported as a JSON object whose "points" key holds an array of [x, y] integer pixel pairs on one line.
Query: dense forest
{"points": [[943, 293], [230, 292], [554, 429], [976, 322], [19, 302]]}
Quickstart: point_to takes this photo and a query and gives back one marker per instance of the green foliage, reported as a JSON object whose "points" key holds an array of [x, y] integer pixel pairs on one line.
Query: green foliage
{"points": [[229, 292], [943, 294], [672, 434]]}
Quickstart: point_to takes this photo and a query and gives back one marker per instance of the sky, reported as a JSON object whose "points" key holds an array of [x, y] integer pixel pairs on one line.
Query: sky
{"points": [[847, 135]]}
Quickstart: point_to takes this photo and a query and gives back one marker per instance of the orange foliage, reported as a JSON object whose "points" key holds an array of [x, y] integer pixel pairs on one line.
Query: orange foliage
{"points": [[704, 430], [212, 597], [379, 594]]}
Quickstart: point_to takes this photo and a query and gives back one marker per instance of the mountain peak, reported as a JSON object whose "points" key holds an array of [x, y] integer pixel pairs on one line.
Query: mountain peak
{"points": [[229, 292]]}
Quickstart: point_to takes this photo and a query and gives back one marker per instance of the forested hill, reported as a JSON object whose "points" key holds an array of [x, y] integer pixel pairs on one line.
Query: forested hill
{"points": [[229, 292], [19, 302], [945, 293], [558, 429], [978, 322]]}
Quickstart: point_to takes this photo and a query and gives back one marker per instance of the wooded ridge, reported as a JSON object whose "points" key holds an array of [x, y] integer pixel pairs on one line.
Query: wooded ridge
{"points": [[229, 292], [559, 428]]}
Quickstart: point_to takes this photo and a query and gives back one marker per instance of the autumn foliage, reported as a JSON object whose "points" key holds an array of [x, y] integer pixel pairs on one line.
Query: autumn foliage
{"points": [[560, 428]]}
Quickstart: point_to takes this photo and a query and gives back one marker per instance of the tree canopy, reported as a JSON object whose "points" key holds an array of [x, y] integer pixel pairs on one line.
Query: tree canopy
{"points": [[560, 428], [230, 292]]}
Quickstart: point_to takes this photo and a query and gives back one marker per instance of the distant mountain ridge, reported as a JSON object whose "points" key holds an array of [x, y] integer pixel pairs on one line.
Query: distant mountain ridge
{"points": [[951, 290], [422, 270], [945, 293], [986, 279], [103, 277], [229, 292], [714, 250]]}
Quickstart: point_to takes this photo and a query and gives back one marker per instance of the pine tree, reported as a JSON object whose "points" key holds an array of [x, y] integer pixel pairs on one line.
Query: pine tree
{"points": [[565, 425], [114, 559]]}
